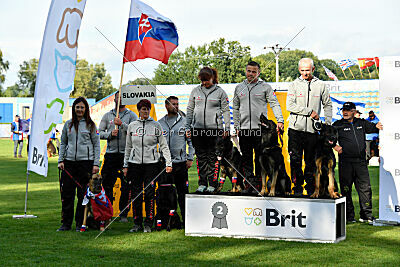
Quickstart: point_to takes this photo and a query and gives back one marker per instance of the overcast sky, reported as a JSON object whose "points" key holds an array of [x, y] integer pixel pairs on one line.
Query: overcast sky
{"points": [[334, 29]]}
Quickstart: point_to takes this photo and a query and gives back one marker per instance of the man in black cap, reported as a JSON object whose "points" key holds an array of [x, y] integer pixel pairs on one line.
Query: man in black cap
{"points": [[353, 167]]}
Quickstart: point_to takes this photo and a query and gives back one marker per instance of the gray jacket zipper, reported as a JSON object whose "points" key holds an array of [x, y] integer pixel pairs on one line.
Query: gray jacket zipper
{"points": [[76, 142], [143, 140], [308, 100]]}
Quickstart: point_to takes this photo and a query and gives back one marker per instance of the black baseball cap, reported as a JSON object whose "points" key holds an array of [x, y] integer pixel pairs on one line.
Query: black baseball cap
{"points": [[348, 106]]}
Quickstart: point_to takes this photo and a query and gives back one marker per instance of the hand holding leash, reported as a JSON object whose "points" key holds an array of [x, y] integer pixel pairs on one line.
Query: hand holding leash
{"points": [[125, 171], [61, 165], [168, 169], [314, 115], [280, 127], [95, 169]]}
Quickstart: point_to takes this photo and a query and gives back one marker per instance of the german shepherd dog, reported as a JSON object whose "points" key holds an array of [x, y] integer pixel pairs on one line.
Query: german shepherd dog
{"points": [[271, 161], [325, 183], [230, 161]]}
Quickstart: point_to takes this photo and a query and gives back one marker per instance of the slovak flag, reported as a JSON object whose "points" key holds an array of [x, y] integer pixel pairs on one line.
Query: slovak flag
{"points": [[149, 35]]}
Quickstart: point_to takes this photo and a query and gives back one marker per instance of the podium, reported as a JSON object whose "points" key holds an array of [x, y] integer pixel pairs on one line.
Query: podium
{"points": [[273, 218]]}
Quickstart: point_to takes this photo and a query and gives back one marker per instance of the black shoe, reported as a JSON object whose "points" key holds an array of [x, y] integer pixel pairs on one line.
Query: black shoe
{"points": [[298, 191], [64, 228], [123, 219], [136, 228], [78, 228], [351, 221]]}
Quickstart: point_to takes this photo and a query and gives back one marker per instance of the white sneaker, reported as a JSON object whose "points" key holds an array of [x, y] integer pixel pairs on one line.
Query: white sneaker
{"points": [[201, 189], [210, 189]]}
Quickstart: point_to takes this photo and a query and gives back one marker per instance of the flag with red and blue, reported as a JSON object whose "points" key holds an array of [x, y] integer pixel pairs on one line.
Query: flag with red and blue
{"points": [[149, 35]]}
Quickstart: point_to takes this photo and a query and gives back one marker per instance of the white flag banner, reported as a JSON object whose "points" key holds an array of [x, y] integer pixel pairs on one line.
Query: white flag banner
{"points": [[55, 76], [389, 140]]}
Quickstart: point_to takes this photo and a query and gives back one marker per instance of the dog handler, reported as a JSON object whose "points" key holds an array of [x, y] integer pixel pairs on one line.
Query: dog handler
{"points": [[79, 159], [174, 131], [141, 163], [114, 157], [304, 99], [250, 101], [208, 105], [353, 167]]}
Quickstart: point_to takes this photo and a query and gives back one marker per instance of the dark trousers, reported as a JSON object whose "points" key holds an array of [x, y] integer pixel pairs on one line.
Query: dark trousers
{"points": [[207, 163], [112, 169], [357, 173], [299, 143], [179, 177], [250, 140], [142, 175], [81, 172]]}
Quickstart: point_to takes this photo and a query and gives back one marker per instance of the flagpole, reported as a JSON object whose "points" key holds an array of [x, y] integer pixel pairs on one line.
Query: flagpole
{"points": [[368, 71], [362, 76], [25, 216], [352, 73], [376, 67], [344, 73], [119, 91]]}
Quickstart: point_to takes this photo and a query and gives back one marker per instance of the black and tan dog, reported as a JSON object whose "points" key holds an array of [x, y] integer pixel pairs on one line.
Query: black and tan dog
{"points": [[230, 161], [325, 183], [272, 161], [95, 187]]}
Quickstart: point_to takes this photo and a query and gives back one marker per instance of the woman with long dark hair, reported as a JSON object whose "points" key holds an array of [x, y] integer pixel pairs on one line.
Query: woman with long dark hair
{"points": [[78, 159], [208, 106], [144, 142]]}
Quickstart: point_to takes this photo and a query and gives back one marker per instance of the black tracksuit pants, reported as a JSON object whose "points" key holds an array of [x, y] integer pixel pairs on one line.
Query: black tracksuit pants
{"points": [[112, 169], [302, 142], [81, 172], [142, 175], [250, 140], [207, 163], [357, 173], [179, 177]]}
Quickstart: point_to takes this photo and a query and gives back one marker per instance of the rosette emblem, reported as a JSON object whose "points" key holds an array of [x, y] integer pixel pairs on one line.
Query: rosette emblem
{"points": [[219, 211]]}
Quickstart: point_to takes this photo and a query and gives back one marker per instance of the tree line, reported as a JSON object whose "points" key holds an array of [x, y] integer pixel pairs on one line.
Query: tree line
{"points": [[228, 57]]}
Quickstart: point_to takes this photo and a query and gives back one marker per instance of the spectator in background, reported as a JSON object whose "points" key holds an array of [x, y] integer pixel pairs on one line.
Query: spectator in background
{"points": [[17, 137], [358, 114], [372, 139]]}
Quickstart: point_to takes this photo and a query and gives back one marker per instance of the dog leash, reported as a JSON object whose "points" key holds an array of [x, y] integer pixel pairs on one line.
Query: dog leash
{"points": [[72, 178]]}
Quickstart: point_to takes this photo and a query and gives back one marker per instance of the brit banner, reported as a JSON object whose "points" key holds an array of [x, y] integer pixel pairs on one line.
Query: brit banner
{"points": [[389, 175], [55, 76]]}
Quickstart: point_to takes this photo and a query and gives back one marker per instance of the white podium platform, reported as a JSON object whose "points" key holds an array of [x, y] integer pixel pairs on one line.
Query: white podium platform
{"points": [[292, 219]]}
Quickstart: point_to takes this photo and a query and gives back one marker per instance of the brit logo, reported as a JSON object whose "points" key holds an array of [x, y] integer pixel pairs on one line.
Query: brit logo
{"points": [[253, 216], [144, 27]]}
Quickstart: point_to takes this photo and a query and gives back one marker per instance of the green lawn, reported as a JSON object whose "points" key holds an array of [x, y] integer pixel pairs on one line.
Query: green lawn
{"points": [[36, 242]]}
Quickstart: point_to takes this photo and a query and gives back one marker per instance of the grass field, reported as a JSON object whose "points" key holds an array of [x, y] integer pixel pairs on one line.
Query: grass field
{"points": [[36, 242]]}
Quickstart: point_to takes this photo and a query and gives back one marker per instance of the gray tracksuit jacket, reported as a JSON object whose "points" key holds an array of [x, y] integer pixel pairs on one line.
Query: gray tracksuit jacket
{"points": [[207, 107], [84, 145], [142, 139], [116, 144], [250, 101], [303, 97], [176, 139]]}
